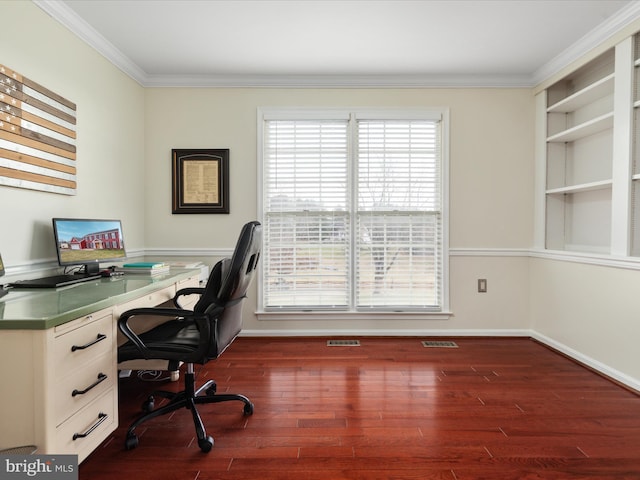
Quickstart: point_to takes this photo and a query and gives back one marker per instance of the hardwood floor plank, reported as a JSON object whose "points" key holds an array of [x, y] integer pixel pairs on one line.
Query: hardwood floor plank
{"points": [[492, 408]]}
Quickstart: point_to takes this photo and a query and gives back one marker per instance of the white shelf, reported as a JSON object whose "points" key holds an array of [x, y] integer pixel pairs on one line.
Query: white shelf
{"points": [[598, 124], [580, 195], [583, 97], [583, 187]]}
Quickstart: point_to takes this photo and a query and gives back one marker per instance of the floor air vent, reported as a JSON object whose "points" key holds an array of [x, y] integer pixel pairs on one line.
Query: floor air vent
{"points": [[439, 344], [343, 343]]}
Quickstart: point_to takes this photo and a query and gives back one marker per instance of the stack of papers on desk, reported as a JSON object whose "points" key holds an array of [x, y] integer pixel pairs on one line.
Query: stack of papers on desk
{"points": [[149, 268], [186, 264]]}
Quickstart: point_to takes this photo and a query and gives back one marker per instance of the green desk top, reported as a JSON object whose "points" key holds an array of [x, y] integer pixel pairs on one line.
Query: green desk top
{"points": [[39, 309]]}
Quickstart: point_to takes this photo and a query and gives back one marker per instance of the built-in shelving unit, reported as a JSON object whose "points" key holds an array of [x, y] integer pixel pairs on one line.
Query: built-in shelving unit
{"points": [[635, 177], [579, 153]]}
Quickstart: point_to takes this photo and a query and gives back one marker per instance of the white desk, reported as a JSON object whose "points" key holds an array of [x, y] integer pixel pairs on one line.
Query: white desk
{"points": [[58, 351]]}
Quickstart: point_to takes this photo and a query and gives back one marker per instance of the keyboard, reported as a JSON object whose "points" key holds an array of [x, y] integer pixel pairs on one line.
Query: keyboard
{"points": [[53, 281]]}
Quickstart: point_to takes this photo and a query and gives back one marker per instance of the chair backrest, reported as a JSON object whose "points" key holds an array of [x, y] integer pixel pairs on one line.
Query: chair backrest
{"points": [[227, 286]]}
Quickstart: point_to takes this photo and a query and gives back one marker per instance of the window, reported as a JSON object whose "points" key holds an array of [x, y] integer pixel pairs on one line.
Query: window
{"points": [[353, 211]]}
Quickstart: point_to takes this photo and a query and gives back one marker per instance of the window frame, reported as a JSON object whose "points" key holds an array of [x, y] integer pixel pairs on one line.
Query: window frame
{"points": [[311, 113]]}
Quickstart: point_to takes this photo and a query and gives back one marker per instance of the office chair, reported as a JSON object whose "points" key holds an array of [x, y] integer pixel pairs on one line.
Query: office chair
{"points": [[196, 336]]}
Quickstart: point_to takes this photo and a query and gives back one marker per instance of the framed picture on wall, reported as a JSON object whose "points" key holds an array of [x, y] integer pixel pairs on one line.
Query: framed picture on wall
{"points": [[200, 179]]}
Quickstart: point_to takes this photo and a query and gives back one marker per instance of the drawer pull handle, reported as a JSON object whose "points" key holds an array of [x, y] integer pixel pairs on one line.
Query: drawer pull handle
{"points": [[101, 378], [99, 338], [101, 418]]}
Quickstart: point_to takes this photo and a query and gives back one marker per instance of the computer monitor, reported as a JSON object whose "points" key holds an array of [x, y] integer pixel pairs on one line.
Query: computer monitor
{"points": [[88, 242]]}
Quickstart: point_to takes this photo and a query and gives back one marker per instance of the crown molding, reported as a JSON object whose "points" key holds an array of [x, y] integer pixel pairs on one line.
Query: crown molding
{"points": [[621, 19], [67, 17], [59, 11], [338, 81]]}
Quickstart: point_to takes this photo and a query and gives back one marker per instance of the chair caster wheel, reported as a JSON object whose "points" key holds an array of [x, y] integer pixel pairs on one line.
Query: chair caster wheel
{"points": [[211, 391], [206, 444], [131, 441], [149, 405], [248, 408]]}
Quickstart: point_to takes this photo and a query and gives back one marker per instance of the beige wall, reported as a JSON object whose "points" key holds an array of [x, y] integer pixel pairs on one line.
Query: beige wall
{"points": [[491, 156], [592, 312], [491, 188], [110, 130]]}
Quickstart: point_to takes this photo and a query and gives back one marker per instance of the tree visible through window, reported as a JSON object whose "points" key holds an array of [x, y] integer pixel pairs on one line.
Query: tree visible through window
{"points": [[352, 211]]}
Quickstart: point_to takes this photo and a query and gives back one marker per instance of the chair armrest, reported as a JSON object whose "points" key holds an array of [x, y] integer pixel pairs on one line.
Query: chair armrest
{"points": [[123, 321], [186, 291]]}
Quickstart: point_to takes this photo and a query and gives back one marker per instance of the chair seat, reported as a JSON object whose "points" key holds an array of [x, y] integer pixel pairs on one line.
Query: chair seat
{"points": [[173, 340]]}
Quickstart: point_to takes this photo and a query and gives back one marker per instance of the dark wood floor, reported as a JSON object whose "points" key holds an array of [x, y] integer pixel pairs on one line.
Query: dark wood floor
{"points": [[388, 409]]}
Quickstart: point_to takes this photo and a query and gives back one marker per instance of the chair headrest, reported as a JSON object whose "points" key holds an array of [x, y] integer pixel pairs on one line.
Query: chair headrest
{"points": [[231, 277]]}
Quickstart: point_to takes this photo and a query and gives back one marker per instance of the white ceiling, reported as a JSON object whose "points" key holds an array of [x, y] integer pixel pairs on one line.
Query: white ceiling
{"points": [[342, 42]]}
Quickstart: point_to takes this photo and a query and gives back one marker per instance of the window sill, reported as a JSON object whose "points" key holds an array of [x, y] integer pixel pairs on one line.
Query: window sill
{"points": [[349, 316]]}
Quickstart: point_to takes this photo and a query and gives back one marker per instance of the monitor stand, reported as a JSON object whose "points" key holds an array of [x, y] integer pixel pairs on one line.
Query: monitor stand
{"points": [[91, 269]]}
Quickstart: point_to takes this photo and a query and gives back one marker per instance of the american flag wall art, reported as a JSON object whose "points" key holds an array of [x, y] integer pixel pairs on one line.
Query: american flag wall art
{"points": [[37, 136]]}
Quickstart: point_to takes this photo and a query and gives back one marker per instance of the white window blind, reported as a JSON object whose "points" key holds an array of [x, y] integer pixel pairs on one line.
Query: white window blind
{"points": [[306, 217], [398, 240], [352, 213]]}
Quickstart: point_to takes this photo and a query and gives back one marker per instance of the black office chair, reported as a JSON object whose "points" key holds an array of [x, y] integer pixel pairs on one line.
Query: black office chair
{"points": [[196, 336]]}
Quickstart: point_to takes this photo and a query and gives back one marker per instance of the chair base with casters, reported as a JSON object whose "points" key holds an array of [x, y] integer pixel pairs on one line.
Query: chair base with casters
{"points": [[188, 398]]}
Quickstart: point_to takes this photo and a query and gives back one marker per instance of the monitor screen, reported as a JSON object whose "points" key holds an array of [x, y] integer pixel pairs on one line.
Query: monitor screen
{"points": [[88, 242]]}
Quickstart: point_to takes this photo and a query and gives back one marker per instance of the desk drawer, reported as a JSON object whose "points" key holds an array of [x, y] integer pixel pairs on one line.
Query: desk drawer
{"points": [[188, 301], [149, 300], [143, 324], [80, 322], [189, 282], [76, 348], [90, 427], [79, 389]]}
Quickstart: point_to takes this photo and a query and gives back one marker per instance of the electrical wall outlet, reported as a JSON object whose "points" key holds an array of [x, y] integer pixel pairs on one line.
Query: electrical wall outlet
{"points": [[482, 285]]}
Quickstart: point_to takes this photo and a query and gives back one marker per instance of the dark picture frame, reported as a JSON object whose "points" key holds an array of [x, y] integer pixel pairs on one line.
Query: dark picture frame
{"points": [[200, 179]]}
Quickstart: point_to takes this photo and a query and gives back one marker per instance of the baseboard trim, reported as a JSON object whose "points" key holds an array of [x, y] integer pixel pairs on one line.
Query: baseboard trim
{"points": [[427, 332], [601, 368]]}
